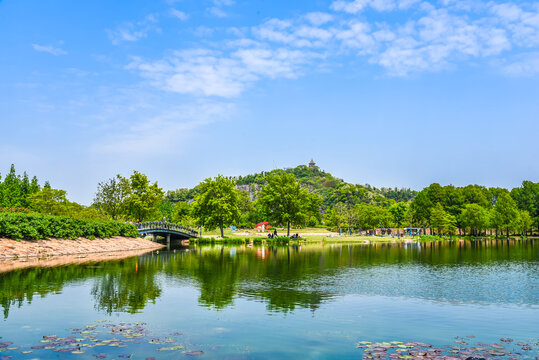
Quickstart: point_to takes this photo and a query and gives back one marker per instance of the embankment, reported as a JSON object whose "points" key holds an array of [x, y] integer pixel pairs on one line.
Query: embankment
{"points": [[56, 247]]}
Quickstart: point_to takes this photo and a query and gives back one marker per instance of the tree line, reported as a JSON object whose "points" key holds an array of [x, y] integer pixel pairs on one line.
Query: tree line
{"points": [[285, 200]]}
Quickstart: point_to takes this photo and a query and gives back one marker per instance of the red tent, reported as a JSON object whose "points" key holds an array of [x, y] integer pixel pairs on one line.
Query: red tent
{"points": [[265, 223]]}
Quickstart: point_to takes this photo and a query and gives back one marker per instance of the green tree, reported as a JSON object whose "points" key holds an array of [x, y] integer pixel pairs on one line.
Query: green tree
{"points": [[182, 214], [435, 193], [49, 201], [475, 194], [438, 218], [166, 209], [218, 204], [474, 217], [12, 195], [144, 197], [335, 217], [399, 213], [371, 216], [420, 209], [525, 222], [450, 224], [527, 198], [505, 213], [111, 196], [284, 201]]}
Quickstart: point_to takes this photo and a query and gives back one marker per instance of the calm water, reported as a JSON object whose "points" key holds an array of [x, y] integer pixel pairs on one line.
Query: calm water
{"points": [[238, 302]]}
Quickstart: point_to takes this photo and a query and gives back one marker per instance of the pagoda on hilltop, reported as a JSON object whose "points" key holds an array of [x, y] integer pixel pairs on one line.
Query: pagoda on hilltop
{"points": [[312, 164]]}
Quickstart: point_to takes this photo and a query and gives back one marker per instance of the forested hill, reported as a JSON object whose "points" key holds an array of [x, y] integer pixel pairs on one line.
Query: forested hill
{"points": [[332, 189]]}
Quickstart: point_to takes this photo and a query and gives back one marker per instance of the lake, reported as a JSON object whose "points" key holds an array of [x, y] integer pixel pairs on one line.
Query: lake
{"points": [[439, 300]]}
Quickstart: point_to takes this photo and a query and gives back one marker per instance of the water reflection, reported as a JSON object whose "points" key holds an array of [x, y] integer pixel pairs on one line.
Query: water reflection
{"points": [[287, 278], [125, 286]]}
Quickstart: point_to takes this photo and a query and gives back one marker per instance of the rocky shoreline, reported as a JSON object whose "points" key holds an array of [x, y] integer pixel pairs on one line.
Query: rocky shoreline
{"points": [[12, 249]]}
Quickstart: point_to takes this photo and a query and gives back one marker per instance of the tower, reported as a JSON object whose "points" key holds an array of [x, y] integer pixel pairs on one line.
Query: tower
{"points": [[312, 164]]}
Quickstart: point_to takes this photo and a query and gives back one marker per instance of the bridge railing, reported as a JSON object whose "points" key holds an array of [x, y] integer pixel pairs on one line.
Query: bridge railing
{"points": [[162, 225]]}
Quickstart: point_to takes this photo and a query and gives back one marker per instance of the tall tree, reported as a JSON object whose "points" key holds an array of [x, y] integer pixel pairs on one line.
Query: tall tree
{"points": [[525, 222], [474, 217], [144, 197], [527, 198], [505, 212], [12, 190], [399, 213], [283, 200], [111, 196], [218, 204], [335, 217], [438, 218], [50, 201], [420, 209]]}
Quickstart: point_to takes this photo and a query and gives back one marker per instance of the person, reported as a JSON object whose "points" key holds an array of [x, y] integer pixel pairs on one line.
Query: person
{"points": [[275, 233]]}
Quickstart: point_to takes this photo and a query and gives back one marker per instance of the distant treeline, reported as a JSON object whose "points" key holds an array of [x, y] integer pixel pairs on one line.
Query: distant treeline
{"points": [[469, 210], [324, 201]]}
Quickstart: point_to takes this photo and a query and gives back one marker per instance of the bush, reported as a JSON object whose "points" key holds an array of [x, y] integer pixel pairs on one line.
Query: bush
{"points": [[37, 226], [203, 240], [279, 240]]}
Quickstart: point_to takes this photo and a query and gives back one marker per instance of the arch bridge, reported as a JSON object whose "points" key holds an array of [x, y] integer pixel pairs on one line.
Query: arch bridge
{"points": [[169, 231]]}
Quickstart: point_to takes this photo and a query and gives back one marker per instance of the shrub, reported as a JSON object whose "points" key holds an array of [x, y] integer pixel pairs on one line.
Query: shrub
{"points": [[16, 225]]}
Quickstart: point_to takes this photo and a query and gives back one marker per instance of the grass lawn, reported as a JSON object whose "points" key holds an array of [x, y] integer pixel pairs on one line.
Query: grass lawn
{"points": [[309, 235]]}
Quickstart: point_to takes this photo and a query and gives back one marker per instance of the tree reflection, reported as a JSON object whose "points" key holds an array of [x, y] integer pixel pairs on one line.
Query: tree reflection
{"points": [[284, 278], [128, 288], [119, 285]]}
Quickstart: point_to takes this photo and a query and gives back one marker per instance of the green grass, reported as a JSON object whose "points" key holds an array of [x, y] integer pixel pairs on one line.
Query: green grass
{"points": [[254, 233]]}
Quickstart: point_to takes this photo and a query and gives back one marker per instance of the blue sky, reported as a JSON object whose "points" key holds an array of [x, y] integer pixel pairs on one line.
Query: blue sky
{"points": [[385, 92]]}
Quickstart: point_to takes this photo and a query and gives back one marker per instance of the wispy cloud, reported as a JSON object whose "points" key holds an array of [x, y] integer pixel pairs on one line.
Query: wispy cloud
{"points": [[429, 38], [149, 136], [319, 18], [179, 14], [217, 8], [204, 72], [49, 49], [132, 32], [523, 65]]}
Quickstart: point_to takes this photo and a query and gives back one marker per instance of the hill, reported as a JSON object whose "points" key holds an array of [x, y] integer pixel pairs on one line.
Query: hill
{"points": [[332, 189]]}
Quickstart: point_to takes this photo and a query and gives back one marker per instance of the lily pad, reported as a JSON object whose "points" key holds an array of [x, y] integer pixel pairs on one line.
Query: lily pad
{"points": [[194, 352]]}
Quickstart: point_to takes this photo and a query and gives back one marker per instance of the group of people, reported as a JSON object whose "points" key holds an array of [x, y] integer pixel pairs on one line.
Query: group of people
{"points": [[275, 235]]}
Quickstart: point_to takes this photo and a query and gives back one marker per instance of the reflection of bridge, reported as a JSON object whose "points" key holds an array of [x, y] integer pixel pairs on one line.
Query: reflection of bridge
{"points": [[167, 230]]}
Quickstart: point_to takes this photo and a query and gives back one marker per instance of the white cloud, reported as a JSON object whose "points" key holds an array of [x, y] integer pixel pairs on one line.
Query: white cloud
{"points": [[437, 39], [217, 12], [356, 6], [429, 38], [132, 32], [122, 34], [524, 65], [522, 23], [318, 18], [203, 72], [49, 49], [217, 9], [179, 14], [357, 35], [150, 136], [224, 2]]}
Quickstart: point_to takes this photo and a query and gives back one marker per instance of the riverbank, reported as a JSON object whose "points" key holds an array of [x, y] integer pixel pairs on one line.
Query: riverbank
{"points": [[10, 249], [10, 264]]}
